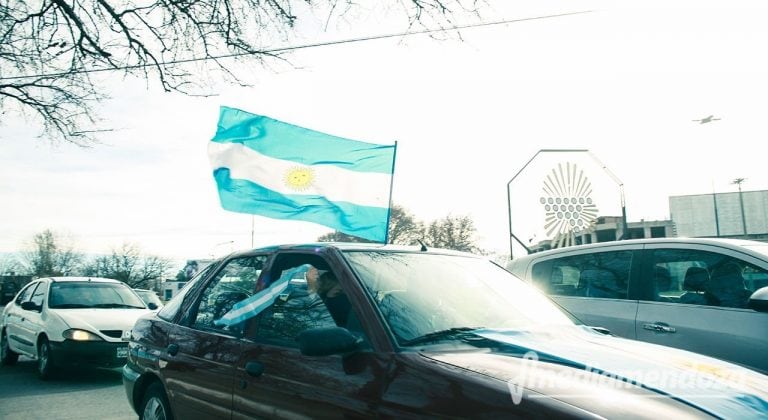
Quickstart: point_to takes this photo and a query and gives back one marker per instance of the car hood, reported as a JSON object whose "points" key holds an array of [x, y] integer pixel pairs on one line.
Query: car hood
{"points": [[97, 319], [573, 362]]}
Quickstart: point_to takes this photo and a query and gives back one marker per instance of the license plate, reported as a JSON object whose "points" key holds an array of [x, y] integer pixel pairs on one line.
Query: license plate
{"points": [[122, 352]]}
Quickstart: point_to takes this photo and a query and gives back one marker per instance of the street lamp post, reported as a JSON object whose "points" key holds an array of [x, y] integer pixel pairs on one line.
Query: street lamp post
{"points": [[738, 182]]}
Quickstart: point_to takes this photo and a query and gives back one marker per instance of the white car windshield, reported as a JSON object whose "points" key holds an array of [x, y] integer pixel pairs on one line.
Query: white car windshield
{"points": [[68, 295], [420, 294], [149, 296]]}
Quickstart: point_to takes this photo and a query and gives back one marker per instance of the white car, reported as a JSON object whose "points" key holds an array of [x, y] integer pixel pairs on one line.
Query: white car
{"points": [[69, 321]]}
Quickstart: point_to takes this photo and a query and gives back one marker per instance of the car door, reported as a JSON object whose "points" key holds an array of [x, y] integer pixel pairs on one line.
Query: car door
{"points": [[594, 286], [20, 332], [686, 312], [201, 352], [275, 380], [36, 317]]}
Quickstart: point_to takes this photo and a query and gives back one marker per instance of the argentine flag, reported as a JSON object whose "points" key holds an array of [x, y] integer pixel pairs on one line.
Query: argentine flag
{"points": [[274, 169]]}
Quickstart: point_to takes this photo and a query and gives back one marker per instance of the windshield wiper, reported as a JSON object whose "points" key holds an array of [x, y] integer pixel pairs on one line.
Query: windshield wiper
{"points": [[450, 333], [69, 306], [115, 305]]}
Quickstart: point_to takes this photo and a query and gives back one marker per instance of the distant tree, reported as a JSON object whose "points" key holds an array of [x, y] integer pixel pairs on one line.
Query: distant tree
{"points": [[51, 254], [130, 266], [404, 229], [337, 236], [53, 53], [10, 265], [455, 233]]}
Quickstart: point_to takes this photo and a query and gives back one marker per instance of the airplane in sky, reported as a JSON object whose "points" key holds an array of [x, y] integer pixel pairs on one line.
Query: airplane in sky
{"points": [[707, 119]]}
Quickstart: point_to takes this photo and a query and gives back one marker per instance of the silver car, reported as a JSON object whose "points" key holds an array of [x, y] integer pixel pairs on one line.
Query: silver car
{"points": [[709, 296]]}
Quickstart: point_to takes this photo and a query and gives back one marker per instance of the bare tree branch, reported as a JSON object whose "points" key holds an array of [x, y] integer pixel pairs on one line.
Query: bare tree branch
{"points": [[49, 49]]}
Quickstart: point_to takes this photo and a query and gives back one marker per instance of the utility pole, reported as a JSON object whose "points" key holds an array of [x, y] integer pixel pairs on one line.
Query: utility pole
{"points": [[738, 182]]}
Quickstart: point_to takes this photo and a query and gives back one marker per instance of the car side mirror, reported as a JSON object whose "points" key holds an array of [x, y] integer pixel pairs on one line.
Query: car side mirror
{"points": [[29, 306], [152, 306], [759, 300], [327, 341]]}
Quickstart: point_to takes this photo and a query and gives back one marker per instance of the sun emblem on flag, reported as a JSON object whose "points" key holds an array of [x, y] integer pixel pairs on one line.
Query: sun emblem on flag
{"points": [[299, 178], [568, 204]]}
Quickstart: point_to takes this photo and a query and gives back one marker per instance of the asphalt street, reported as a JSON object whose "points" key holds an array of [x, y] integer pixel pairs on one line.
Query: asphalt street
{"points": [[77, 394]]}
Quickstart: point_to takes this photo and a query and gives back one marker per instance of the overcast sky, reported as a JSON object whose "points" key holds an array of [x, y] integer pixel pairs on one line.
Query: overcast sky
{"points": [[624, 81]]}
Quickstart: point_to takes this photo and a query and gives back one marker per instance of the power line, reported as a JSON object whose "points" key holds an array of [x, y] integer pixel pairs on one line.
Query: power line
{"points": [[298, 47]]}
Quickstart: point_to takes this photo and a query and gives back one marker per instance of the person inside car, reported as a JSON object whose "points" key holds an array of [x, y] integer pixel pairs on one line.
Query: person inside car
{"points": [[726, 287], [331, 293]]}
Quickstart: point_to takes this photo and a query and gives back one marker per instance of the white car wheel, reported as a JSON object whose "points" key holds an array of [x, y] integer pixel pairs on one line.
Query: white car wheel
{"points": [[45, 361]]}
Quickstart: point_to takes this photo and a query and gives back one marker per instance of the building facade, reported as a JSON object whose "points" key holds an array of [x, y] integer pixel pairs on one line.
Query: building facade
{"points": [[611, 228], [725, 215], [742, 215]]}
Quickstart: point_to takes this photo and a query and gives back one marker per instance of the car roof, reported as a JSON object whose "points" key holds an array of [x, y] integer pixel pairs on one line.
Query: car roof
{"points": [[83, 279], [354, 246], [731, 243]]}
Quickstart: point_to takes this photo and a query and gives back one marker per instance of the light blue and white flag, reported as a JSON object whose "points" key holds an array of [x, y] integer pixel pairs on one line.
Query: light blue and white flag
{"points": [[270, 168], [254, 305]]}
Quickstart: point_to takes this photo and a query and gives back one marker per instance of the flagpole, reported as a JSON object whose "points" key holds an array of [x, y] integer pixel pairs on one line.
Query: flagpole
{"points": [[391, 183], [251, 231]]}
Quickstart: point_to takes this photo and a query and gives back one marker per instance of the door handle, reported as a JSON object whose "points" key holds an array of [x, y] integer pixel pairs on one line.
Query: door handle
{"points": [[172, 349], [660, 327], [254, 368]]}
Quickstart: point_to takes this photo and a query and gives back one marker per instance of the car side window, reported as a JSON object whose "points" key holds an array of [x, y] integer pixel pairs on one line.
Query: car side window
{"points": [[293, 312], [26, 294], [235, 282], [311, 300], [38, 296], [704, 278], [171, 308], [597, 275]]}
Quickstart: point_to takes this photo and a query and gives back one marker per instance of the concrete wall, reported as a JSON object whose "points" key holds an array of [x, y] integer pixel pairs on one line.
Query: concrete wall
{"points": [[695, 215]]}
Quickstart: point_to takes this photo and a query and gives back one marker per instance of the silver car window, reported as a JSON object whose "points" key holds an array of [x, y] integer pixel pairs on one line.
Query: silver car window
{"points": [[705, 278], [597, 275]]}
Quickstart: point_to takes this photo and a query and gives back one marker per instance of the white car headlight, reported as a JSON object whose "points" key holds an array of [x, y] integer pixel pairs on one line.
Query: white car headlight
{"points": [[80, 335]]}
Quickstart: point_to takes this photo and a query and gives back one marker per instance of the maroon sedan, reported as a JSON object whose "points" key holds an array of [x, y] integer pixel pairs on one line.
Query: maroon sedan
{"points": [[361, 331]]}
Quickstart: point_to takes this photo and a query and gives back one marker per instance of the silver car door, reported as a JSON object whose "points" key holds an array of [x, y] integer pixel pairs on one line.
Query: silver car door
{"points": [[592, 286], [692, 312], [736, 335]]}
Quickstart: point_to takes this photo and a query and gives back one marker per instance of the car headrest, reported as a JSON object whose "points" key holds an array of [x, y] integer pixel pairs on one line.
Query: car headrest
{"points": [[600, 283], [696, 279], [557, 276]]}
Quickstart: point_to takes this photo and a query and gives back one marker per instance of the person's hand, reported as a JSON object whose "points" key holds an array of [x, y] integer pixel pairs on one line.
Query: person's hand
{"points": [[311, 276]]}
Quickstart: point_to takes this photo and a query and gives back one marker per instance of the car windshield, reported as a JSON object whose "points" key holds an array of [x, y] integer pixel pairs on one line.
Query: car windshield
{"points": [[149, 296], [72, 295], [421, 294]]}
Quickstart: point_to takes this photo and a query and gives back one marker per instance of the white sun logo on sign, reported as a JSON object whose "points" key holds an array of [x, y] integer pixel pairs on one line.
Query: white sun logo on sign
{"points": [[568, 204], [299, 178]]}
